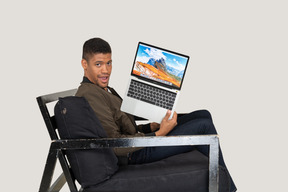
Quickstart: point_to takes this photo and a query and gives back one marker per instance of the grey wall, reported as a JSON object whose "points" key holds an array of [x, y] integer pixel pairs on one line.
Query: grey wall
{"points": [[237, 70]]}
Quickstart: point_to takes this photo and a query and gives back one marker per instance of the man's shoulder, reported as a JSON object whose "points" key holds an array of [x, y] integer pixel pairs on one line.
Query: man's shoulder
{"points": [[87, 89], [92, 92]]}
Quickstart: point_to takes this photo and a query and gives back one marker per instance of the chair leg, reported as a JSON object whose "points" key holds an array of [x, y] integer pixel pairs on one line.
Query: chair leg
{"points": [[66, 171], [214, 165], [48, 171]]}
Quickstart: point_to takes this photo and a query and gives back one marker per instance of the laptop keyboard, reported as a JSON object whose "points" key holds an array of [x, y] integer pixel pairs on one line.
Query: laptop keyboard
{"points": [[151, 94]]}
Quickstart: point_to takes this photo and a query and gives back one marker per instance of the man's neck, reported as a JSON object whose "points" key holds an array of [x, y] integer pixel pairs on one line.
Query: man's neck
{"points": [[110, 90], [86, 80]]}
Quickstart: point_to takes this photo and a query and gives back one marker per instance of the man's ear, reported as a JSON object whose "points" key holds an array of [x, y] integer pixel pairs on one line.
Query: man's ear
{"points": [[84, 64]]}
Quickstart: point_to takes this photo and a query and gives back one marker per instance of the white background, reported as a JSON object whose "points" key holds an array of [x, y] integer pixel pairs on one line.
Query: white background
{"points": [[237, 70]]}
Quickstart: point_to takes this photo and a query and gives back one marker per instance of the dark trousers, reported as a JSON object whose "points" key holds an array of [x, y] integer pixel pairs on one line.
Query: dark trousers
{"points": [[195, 123]]}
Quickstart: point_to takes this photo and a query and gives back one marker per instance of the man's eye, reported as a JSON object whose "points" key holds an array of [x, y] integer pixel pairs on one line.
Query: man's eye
{"points": [[110, 63], [98, 64]]}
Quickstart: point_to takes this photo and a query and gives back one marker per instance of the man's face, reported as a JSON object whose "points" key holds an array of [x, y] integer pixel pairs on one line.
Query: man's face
{"points": [[98, 68]]}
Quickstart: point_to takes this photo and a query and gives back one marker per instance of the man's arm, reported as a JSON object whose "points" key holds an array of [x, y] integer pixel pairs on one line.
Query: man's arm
{"points": [[101, 106]]}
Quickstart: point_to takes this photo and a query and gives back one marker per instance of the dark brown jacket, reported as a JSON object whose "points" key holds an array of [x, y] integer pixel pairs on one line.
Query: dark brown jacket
{"points": [[107, 108]]}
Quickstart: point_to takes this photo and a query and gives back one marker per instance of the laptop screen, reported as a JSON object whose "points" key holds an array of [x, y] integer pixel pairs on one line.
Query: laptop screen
{"points": [[159, 65]]}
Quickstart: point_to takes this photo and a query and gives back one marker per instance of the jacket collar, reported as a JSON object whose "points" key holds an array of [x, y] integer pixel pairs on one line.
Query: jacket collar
{"points": [[86, 80]]}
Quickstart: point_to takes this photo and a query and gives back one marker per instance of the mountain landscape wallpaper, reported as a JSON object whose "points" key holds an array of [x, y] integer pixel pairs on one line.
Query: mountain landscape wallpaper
{"points": [[159, 65]]}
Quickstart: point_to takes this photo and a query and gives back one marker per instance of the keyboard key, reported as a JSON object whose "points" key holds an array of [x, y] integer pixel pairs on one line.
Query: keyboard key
{"points": [[151, 94]]}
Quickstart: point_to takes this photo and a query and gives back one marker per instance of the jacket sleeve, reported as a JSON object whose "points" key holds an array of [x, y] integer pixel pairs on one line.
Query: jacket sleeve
{"points": [[115, 123], [111, 120]]}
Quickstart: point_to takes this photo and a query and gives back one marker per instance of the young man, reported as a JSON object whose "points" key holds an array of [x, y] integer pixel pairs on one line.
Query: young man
{"points": [[104, 100]]}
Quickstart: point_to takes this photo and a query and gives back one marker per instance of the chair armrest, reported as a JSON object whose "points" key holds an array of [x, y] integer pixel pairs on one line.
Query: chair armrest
{"points": [[211, 140], [70, 144]]}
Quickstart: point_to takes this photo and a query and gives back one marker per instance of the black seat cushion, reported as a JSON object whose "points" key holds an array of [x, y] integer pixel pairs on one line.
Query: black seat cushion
{"points": [[184, 173], [76, 120]]}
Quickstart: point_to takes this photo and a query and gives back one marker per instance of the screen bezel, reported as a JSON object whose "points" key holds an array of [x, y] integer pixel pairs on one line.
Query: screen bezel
{"points": [[157, 82]]}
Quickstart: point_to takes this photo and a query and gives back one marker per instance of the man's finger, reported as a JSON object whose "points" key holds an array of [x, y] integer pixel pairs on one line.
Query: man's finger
{"points": [[167, 115]]}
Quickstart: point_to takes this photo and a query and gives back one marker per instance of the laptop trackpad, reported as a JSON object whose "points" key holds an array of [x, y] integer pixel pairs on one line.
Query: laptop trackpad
{"points": [[146, 110]]}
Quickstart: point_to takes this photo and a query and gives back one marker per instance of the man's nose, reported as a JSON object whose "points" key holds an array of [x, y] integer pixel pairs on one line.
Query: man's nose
{"points": [[104, 69]]}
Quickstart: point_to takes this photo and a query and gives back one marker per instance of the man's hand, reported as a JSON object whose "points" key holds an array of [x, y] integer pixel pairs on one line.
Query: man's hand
{"points": [[167, 125]]}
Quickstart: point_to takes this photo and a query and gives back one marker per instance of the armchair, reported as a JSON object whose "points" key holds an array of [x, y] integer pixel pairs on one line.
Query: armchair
{"points": [[192, 171]]}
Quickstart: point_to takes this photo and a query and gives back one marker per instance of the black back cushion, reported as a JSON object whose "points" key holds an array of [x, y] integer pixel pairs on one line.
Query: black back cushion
{"points": [[76, 120]]}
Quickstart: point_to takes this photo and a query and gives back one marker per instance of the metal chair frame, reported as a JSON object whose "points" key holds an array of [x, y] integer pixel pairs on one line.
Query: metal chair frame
{"points": [[59, 146]]}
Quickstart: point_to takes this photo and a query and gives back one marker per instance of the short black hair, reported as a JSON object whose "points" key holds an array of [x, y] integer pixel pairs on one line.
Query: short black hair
{"points": [[93, 46]]}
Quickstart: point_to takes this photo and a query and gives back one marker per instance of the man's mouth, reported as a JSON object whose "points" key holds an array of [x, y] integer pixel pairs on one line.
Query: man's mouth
{"points": [[104, 79]]}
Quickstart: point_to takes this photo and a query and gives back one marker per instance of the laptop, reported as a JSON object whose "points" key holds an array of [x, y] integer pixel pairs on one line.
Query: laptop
{"points": [[155, 82]]}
